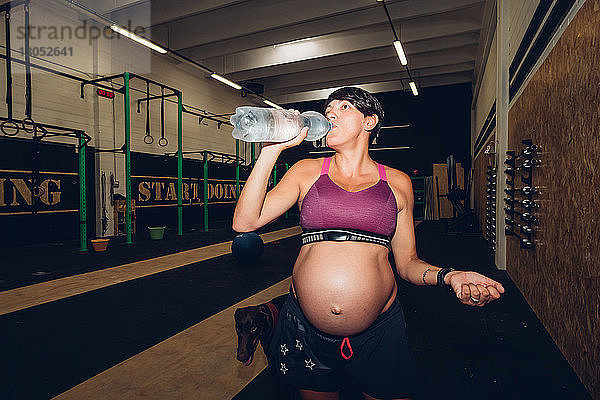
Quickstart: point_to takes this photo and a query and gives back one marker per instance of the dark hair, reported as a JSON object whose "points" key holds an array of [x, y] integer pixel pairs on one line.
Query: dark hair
{"points": [[364, 102]]}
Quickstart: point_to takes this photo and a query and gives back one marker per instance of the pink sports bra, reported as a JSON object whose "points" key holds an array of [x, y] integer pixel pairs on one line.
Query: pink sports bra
{"points": [[328, 206]]}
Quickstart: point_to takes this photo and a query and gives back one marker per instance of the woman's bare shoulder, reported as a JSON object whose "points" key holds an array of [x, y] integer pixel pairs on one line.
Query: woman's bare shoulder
{"points": [[308, 166], [398, 179], [401, 186]]}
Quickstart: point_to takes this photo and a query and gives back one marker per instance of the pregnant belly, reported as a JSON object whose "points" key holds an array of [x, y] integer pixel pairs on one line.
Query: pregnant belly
{"points": [[343, 289]]}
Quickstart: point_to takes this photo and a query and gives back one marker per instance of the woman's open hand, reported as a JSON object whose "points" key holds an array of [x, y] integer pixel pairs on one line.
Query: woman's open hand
{"points": [[474, 289]]}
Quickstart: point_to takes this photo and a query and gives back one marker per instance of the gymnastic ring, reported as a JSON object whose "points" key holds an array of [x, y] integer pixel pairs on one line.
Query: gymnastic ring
{"points": [[150, 141], [9, 125], [38, 191], [163, 142], [29, 122]]}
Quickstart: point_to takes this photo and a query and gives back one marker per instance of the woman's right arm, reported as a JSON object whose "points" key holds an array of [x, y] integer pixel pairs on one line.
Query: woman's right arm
{"points": [[255, 207]]}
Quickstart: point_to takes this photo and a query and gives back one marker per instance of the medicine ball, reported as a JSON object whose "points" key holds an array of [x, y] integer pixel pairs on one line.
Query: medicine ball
{"points": [[247, 247]]}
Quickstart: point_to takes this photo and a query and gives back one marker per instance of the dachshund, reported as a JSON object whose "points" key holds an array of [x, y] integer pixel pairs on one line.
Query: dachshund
{"points": [[255, 324]]}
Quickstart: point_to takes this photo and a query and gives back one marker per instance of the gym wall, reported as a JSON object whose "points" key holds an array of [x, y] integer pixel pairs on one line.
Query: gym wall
{"points": [[484, 94], [56, 99], [560, 277]]}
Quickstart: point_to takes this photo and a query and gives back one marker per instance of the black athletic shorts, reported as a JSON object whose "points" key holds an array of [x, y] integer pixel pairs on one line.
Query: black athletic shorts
{"points": [[377, 359]]}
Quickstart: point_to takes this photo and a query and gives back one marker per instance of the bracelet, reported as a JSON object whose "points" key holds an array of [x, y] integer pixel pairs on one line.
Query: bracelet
{"points": [[442, 274], [425, 273]]}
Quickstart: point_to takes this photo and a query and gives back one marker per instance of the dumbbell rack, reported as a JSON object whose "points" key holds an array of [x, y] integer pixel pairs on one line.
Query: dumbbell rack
{"points": [[490, 207], [490, 198], [522, 223]]}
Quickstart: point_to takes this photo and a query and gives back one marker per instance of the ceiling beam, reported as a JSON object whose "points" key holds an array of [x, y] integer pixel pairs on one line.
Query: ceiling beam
{"points": [[386, 66], [379, 87], [354, 57], [200, 42], [419, 75]]}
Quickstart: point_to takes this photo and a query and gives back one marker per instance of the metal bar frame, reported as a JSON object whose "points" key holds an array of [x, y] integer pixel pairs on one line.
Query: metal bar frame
{"points": [[127, 110], [205, 205], [179, 164], [81, 147]]}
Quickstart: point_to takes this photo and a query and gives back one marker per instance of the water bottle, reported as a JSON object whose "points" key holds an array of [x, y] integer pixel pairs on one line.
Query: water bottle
{"points": [[257, 124]]}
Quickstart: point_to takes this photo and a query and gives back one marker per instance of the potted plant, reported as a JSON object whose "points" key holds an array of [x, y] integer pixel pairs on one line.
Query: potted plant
{"points": [[100, 244], [156, 232]]}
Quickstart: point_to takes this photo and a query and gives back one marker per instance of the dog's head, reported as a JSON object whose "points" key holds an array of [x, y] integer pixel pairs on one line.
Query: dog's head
{"points": [[251, 324]]}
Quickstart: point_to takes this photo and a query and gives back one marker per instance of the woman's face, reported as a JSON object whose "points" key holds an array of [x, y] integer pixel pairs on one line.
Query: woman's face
{"points": [[348, 122]]}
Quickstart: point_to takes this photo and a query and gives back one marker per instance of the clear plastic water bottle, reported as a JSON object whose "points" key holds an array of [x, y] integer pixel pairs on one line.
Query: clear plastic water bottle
{"points": [[257, 124]]}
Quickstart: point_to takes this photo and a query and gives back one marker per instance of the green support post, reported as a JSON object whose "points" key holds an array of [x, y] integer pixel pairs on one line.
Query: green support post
{"points": [[274, 175], [205, 191], [237, 169], [82, 199], [252, 154], [127, 160], [179, 164]]}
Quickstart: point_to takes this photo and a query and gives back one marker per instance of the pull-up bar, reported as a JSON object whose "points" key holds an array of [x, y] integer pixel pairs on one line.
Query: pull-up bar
{"points": [[125, 90], [11, 127]]}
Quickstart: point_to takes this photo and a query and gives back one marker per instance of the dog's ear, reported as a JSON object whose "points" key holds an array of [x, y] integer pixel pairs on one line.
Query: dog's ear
{"points": [[238, 315], [264, 315]]}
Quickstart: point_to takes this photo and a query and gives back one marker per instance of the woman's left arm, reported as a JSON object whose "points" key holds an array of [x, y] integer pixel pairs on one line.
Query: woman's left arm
{"points": [[471, 288]]}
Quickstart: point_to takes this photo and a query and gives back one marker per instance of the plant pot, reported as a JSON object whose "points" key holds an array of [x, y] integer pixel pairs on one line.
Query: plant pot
{"points": [[100, 244], [156, 232]]}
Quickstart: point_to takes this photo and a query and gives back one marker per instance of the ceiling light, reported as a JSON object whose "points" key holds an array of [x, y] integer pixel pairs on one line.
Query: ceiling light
{"points": [[226, 81], [272, 104], [391, 148], [413, 87], [395, 126], [400, 52], [137, 38]]}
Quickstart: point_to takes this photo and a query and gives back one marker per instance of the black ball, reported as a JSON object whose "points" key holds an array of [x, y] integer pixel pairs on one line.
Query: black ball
{"points": [[247, 247]]}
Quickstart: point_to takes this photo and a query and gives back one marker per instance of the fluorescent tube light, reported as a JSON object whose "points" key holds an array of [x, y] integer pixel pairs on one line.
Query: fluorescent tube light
{"points": [[321, 151], [395, 126], [226, 81], [375, 149], [137, 38], [400, 52], [413, 87], [391, 148], [272, 104]]}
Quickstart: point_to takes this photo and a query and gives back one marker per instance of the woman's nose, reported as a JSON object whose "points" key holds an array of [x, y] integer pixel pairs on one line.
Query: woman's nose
{"points": [[330, 115]]}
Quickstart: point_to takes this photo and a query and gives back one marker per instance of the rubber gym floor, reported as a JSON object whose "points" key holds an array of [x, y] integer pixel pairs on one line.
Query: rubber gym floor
{"points": [[154, 320]]}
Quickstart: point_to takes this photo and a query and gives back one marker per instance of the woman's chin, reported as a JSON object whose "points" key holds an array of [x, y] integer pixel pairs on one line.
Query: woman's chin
{"points": [[331, 143]]}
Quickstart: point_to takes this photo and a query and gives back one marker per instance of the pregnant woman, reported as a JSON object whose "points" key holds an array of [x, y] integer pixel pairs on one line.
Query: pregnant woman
{"points": [[342, 319]]}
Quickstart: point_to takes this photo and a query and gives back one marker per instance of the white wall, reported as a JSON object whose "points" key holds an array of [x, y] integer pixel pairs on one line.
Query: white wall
{"points": [[521, 13], [487, 91], [56, 100]]}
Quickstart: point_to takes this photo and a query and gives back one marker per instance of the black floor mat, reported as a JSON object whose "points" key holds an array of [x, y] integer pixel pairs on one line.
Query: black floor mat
{"points": [[52, 347], [498, 352]]}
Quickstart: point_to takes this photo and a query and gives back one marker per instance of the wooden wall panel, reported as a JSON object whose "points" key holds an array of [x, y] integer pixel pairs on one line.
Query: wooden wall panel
{"points": [[479, 182], [440, 171], [559, 109]]}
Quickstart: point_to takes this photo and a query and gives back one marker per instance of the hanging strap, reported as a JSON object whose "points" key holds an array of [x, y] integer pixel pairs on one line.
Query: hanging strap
{"points": [[27, 65], [8, 67]]}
